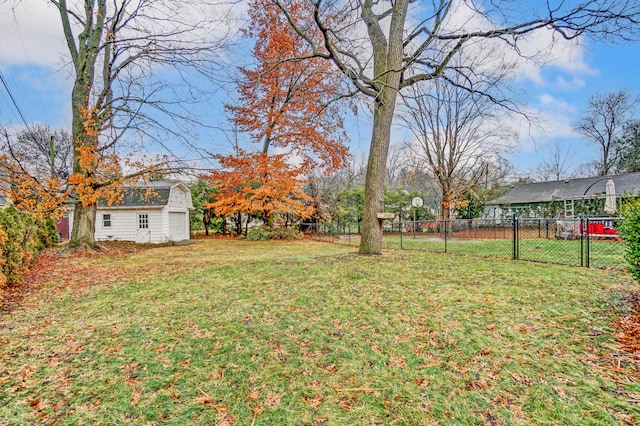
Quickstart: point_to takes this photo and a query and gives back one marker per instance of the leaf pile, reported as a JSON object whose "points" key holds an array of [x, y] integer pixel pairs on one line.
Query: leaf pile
{"points": [[628, 327], [65, 266]]}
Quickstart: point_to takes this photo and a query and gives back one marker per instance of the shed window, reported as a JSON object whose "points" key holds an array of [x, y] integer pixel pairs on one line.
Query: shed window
{"points": [[143, 221], [106, 220]]}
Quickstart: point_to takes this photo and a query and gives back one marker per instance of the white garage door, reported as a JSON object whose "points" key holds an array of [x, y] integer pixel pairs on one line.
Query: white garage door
{"points": [[178, 226]]}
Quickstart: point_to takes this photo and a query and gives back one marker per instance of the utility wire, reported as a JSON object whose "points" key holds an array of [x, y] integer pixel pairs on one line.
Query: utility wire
{"points": [[15, 103]]}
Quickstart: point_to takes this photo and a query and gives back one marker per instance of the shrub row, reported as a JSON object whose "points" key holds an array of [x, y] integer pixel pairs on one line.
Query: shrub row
{"points": [[629, 230], [22, 237]]}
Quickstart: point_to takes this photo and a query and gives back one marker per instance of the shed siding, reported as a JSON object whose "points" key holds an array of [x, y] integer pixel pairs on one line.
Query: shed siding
{"points": [[177, 198], [124, 226]]}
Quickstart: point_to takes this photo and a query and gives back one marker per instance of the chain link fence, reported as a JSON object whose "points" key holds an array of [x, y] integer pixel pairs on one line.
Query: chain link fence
{"points": [[587, 242]]}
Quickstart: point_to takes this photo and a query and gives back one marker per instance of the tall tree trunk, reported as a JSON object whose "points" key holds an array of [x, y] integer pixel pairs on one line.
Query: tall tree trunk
{"points": [[84, 219], [84, 53], [387, 58], [84, 216], [371, 242]]}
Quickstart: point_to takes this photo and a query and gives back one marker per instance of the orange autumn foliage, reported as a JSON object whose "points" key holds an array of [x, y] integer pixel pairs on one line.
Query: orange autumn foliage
{"points": [[97, 174], [258, 183], [40, 199], [290, 105]]}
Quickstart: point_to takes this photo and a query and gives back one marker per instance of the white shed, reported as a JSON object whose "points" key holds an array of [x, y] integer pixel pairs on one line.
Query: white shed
{"points": [[154, 213]]}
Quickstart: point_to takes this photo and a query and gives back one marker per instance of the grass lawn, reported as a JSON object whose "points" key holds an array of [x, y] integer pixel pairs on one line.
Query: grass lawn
{"points": [[276, 333]]}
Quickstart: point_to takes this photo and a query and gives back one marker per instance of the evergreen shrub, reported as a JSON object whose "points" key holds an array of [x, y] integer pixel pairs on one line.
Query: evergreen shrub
{"points": [[629, 230], [22, 238]]}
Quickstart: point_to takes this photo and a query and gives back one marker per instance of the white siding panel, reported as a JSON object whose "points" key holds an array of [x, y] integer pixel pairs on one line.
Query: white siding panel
{"points": [[177, 198], [157, 233], [123, 225]]}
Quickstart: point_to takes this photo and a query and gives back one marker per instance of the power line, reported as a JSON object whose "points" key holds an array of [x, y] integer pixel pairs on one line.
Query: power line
{"points": [[13, 100]]}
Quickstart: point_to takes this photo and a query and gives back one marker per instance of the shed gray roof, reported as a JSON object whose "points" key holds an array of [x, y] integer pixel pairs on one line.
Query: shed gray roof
{"points": [[544, 192], [157, 196]]}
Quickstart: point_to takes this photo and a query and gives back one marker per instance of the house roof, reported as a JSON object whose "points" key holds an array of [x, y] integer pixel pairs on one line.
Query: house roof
{"points": [[154, 194], [544, 192]]}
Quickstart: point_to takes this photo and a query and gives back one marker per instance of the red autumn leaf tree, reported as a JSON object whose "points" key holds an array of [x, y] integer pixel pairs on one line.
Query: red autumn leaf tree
{"points": [[291, 106]]}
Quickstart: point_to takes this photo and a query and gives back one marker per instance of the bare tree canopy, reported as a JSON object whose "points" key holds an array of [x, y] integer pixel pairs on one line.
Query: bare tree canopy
{"points": [[555, 165], [457, 135], [603, 123], [386, 46], [40, 151]]}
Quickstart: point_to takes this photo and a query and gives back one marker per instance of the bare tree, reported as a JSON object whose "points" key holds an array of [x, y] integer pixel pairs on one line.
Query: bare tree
{"points": [[122, 52], [35, 165], [398, 166], [457, 133], [40, 151], [556, 165], [603, 123]]}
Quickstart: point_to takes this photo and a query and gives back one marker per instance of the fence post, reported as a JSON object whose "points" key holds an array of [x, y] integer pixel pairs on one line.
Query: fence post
{"points": [[446, 226], [539, 228], [547, 226], [582, 228], [515, 237], [588, 256]]}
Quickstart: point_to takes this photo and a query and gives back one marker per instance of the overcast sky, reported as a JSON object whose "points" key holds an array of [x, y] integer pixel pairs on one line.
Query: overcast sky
{"points": [[32, 62]]}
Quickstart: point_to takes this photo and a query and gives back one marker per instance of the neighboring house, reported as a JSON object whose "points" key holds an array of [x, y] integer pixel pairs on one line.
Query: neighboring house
{"points": [[155, 213], [565, 198]]}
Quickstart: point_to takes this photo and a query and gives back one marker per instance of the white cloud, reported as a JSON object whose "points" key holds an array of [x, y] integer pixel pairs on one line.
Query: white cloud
{"points": [[573, 83], [552, 118], [31, 33], [543, 49], [538, 51]]}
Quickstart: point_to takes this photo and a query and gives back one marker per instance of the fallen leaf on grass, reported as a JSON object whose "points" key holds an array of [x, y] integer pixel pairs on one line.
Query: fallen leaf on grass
{"points": [[34, 403], [136, 395], [329, 367], [398, 362], [521, 378], [314, 402], [628, 327], [273, 400], [421, 382]]}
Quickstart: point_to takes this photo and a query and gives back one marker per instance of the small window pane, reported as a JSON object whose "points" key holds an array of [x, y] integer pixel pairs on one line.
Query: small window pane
{"points": [[143, 221], [106, 220]]}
